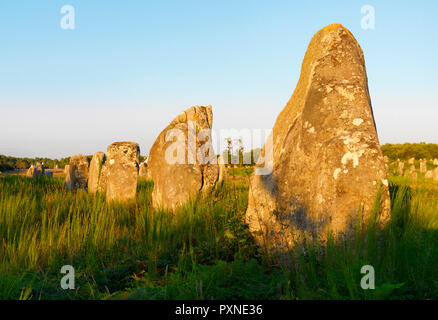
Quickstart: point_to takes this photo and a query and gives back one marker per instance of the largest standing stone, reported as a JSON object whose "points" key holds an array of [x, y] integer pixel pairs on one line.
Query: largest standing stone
{"points": [[181, 161], [122, 171], [326, 159]]}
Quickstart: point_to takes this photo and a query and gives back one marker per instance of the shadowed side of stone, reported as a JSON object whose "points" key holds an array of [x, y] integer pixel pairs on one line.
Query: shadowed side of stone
{"points": [[326, 158], [121, 171], [182, 162]]}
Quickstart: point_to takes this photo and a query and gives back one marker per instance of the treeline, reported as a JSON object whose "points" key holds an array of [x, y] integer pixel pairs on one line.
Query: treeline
{"points": [[12, 163], [406, 151]]}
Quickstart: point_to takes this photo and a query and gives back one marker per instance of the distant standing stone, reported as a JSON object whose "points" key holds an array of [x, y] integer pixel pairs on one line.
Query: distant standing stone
{"points": [[423, 165], [435, 174], [414, 175], [429, 174], [144, 172], [35, 171], [435, 162], [401, 166], [122, 171], [77, 174], [411, 161], [95, 175]]}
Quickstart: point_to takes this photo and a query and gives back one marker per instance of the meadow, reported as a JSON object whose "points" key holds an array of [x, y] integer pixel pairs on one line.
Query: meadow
{"points": [[203, 250]]}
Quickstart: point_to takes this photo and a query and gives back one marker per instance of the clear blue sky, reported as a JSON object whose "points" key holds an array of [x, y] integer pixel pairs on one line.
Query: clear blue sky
{"points": [[130, 67]]}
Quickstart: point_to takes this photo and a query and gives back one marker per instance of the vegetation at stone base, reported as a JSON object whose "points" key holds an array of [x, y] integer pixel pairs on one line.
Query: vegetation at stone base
{"points": [[410, 150], [204, 250]]}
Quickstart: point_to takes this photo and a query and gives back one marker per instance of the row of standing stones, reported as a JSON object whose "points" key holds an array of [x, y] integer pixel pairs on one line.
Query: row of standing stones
{"points": [[116, 173], [327, 166], [410, 170]]}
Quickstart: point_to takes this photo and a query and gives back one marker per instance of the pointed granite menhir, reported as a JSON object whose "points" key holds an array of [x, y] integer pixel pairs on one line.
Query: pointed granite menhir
{"points": [[181, 161], [327, 162]]}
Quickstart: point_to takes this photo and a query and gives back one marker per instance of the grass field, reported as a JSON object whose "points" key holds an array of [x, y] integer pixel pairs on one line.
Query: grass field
{"points": [[202, 251]]}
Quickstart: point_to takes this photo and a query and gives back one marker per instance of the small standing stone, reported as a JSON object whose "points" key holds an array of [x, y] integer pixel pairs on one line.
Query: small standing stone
{"points": [[95, 171], [429, 174], [144, 172], [423, 165], [435, 174], [77, 174], [401, 166], [122, 171]]}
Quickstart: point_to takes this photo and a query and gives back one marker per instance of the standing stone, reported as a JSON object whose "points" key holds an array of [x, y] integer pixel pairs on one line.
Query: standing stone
{"points": [[66, 169], [435, 174], [37, 170], [386, 159], [401, 166], [423, 165], [223, 172], [435, 162], [413, 175], [77, 174], [429, 174], [412, 169], [122, 171], [326, 158], [143, 172], [30, 172], [96, 165], [411, 161], [182, 162]]}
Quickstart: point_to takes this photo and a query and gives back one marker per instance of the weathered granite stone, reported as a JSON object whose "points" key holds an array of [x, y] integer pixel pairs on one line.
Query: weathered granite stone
{"points": [[37, 170], [182, 162], [144, 172], [77, 175], [96, 165], [429, 174], [411, 161], [401, 166], [435, 174], [423, 165], [122, 171], [326, 158]]}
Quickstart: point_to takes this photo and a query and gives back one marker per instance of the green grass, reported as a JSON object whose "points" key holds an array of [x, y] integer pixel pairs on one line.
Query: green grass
{"points": [[202, 251]]}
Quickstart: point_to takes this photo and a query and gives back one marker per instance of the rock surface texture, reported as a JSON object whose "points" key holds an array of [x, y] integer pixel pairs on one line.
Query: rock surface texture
{"points": [[95, 172], [77, 174], [326, 158], [182, 161], [121, 171]]}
